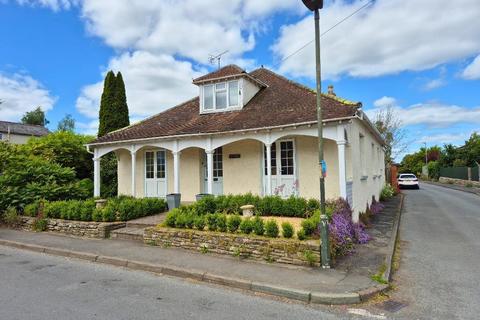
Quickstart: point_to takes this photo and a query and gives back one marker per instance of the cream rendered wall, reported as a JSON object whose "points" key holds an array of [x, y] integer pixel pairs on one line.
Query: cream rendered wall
{"points": [[307, 167], [15, 138], [370, 184], [190, 173], [243, 174], [124, 172]]}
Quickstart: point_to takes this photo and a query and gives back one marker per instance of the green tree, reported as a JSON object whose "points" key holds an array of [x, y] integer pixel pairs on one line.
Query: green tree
{"points": [[64, 148], [66, 124], [113, 115], [35, 117]]}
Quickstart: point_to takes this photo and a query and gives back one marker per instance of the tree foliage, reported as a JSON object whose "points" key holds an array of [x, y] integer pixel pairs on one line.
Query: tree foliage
{"points": [[466, 155], [113, 115], [35, 117], [25, 178], [66, 124], [64, 148], [389, 125]]}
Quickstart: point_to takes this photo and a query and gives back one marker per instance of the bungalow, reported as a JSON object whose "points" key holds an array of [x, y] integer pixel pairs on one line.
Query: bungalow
{"points": [[248, 132], [19, 133]]}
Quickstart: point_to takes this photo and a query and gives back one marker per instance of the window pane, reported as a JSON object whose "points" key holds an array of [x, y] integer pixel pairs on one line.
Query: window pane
{"points": [[221, 99], [218, 163], [160, 164], [273, 155], [208, 97], [286, 153], [233, 93], [149, 165]]}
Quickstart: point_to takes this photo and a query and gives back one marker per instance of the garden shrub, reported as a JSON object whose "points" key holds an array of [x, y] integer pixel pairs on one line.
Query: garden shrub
{"points": [[189, 221], [31, 209], [199, 222], [258, 226], [171, 217], [387, 192], [287, 230], [309, 226], [97, 215], [312, 206], [233, 223], [246, 226], [109, 212], [211, 221], [206, 205], [11, 216], [39, 224], [222, 222], [301, 234], [181, 221], [271, 228]]}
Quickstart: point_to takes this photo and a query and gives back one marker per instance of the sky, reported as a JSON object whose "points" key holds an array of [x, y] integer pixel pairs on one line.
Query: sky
{"points": [[421, 58]]}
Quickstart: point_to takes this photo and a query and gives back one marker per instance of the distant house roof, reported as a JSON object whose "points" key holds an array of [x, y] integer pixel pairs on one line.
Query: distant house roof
{"points": [[23, 129], [280, 102]]}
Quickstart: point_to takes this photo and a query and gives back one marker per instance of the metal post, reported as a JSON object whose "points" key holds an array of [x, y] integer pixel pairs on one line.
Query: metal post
{"points": [[323, 225]]}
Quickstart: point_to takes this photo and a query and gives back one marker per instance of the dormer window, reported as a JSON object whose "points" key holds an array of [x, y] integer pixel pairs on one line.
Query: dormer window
{"points": [[220, 96]]}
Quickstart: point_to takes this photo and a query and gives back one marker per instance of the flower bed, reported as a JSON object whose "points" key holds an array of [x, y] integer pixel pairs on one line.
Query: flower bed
{"points": [[115, 209], [287, 251]]}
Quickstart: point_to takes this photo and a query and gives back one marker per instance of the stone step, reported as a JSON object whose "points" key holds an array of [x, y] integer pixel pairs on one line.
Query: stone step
{"points": [[139, 225], [127, 234]]}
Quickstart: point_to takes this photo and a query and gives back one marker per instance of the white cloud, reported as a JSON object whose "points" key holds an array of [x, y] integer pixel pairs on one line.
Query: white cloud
{"points": [[385, 102], [192, 29], [434, 84], [472, 71], [445, 138], [55, 5], [21, 93], [388, 37], [430, 114], [153, 83]]}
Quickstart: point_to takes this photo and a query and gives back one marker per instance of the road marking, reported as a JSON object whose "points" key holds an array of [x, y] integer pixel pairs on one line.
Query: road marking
{"points": [[366, 313]]}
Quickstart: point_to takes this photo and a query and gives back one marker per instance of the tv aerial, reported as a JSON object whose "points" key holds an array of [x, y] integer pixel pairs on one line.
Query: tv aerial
{"points": [[212, 58]]}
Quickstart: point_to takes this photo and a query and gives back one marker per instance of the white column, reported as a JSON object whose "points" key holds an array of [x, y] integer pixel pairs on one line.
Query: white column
{"points": [[342, 169], [269, 168], [134, 168], [210, 171], [176, 172], [96, 177]]}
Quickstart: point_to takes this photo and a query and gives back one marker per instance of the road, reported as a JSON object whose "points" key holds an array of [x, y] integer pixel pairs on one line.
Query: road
{"points": [[438, 278], [439, 274], [36, 286]]}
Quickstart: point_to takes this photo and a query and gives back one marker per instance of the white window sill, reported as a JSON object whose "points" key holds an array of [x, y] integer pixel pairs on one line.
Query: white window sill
{"points": [[221, 110]]}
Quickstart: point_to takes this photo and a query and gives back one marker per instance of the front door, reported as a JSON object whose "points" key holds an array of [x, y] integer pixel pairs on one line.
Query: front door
{"points": [[284, 181], [217, 172], [155, 174]]}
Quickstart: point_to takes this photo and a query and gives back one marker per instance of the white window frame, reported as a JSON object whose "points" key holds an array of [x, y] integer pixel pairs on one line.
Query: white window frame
{"points": [[227, 92], [154, 151]]}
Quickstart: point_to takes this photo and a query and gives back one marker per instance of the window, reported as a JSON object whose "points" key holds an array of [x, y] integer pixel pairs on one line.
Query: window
{"points": [[217, 163], [286, 157], [160, 164], [208, 97], [149, 165], [273, 160], [362, 156], [221, 96], [233, 93]]}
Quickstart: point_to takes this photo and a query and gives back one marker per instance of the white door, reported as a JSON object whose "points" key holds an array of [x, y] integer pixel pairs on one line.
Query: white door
{"points": [[155, 174], [284, 181], [217, 172]]}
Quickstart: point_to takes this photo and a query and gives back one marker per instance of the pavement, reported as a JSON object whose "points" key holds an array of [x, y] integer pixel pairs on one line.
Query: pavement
{"points": [[350, 282], [438, 276]]}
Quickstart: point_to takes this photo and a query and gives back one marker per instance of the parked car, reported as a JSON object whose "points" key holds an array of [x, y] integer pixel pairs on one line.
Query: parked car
{"points": [[408, 180]]}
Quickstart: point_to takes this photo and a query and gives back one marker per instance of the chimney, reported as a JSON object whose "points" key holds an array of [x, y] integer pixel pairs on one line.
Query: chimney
{"points": [[330, 90]]}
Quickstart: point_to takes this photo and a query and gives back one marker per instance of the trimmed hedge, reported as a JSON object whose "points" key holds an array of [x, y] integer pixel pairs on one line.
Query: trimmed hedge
{"points": [[116, 209], [264, 206]]}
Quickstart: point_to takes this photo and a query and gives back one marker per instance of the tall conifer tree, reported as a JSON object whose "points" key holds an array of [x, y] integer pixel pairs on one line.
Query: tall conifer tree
{"points": [[113, 115]]}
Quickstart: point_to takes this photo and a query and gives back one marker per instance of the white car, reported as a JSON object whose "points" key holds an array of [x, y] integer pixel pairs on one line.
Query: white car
{"points": [[408, 180]]}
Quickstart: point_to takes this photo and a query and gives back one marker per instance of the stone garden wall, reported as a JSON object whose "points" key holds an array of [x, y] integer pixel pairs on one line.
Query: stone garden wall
{"points": [[279, 250], [88, 229]]}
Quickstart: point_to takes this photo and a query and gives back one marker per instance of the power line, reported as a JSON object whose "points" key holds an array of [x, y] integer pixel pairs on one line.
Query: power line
{"points": [[326, 31]]}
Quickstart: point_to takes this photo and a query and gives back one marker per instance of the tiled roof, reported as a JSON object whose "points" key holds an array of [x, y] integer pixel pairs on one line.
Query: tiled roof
{"points": [[282, 102], [227, 71], [23, 129]]}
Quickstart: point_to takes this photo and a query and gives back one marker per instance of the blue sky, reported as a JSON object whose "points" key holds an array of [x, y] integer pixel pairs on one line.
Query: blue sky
{"points": [[418, 58]]}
